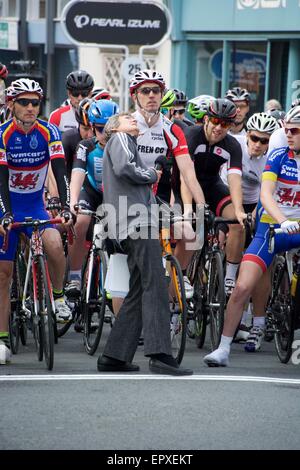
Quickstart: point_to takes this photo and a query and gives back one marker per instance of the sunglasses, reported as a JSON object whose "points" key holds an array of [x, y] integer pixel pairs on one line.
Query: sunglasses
{"points": [[147, 90], [179, 111], [262, 140], [221, 122], [27, 101], [99, 129], [293, 130], [83, 93]]}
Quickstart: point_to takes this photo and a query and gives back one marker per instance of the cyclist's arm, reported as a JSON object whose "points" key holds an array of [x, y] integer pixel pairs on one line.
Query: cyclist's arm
{"points": [[235, 187], [51, 183], [5, 205], [187, 170], [266, 196], [77, 180], [123, 162]]}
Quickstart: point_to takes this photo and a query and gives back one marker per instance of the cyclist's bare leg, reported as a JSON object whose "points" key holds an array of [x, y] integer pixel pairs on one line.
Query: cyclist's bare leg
{"points": [[261, 294], [6, 272], [55, 256], [250, 274], [77, 250], [236, 237], [185, 243]]}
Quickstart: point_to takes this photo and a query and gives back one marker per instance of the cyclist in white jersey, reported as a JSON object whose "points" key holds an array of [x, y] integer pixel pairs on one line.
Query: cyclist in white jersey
{"points": [[254, 148], [161, 137]]}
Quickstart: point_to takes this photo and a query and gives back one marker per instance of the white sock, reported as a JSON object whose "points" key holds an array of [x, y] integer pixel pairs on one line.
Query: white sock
{"points": [[259, 322], [231, 270], [75, 275], [225, 342]]}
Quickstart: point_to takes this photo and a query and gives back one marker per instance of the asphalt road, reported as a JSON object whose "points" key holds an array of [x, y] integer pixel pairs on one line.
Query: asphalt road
{"points": [[252, 404]]}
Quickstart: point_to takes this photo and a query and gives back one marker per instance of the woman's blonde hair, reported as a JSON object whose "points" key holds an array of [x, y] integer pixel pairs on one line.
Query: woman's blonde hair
{"points": [[113, 124]]}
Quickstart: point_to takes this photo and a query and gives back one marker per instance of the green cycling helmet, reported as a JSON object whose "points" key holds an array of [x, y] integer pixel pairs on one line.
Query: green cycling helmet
{"points": [[168, 99]]}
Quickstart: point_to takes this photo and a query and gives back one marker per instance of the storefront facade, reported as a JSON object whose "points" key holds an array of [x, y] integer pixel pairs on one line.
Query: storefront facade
{"points": [[255, 44]]}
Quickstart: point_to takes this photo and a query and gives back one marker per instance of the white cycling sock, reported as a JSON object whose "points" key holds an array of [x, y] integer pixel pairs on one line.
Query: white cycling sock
{"points": [[259, 322], [225, 343], [231, 270]]}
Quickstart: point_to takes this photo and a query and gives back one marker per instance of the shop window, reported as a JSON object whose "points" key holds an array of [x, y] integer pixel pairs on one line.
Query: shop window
{"points": [[248, 70]]}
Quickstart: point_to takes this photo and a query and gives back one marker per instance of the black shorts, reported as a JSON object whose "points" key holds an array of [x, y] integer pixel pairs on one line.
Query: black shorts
{"points": [[217, 195], [89, 197]]}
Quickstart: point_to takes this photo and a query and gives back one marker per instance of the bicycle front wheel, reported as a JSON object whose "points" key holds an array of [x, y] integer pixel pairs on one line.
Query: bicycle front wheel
{"points": [[178, 307], [94, 300], [46, 314], [216, 298], [199, 300], [282, 311]]}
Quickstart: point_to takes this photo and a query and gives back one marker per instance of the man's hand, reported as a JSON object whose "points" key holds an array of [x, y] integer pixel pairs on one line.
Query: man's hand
{"points": [[5, 224], [158, 173], [68, 217], [241, 216]]}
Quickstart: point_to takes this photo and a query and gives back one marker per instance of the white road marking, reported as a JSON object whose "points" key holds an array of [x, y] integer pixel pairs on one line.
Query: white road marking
{"points": [[208, 378]]}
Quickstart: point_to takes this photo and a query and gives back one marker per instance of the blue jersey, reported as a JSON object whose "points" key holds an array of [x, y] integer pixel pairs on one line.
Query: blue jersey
{"points": [[27, 157], [283, 168], [89, 159]]}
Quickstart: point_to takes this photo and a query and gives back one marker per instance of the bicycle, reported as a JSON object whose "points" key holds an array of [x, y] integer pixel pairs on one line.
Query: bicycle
{"points": [[284, 301], [18, 318], [37, 287], [93, 294], [176, 289], [207, 277]]}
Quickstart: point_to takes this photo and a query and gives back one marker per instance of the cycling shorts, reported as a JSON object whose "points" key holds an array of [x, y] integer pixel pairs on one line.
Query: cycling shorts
{"points": [[89, 197], [216, 194], [13, 235], [258, 250]]}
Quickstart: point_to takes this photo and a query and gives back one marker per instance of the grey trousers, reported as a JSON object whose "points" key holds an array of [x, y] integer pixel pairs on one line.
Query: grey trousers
{"points": [[146, 305]]}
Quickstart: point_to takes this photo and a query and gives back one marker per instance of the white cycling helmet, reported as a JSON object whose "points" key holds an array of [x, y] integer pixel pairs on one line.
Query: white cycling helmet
{"points": [[146, 76], [238, 94], [293, 116], [22, 86], [262, 122]]}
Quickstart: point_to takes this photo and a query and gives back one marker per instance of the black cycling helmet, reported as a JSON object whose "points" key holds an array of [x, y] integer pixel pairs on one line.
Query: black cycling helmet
{"points": [[79, 80], [238, 94], [181, 98], [81, 113], [222, 109]]}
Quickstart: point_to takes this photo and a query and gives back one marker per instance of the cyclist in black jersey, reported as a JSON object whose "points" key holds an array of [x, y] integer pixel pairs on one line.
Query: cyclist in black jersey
{"points": [[71, 138], [210, 147]]}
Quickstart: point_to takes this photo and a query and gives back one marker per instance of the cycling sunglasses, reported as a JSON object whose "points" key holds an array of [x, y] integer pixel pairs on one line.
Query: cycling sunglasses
{"points": [[83, 93], [147, 90], [179, 111], [217, 121], [293, 130], [27, 101], [262, 140]]}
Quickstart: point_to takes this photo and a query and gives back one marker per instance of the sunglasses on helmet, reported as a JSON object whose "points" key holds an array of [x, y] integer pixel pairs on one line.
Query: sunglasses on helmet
{"points": [[217, 121]]}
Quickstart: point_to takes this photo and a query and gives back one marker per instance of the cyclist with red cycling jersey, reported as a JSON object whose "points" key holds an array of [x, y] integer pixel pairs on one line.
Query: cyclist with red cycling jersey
{"points": [[79, 85]]}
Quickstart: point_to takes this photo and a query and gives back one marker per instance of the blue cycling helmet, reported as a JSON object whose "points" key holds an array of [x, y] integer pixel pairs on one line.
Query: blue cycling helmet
{"points": [[100, 111]]}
